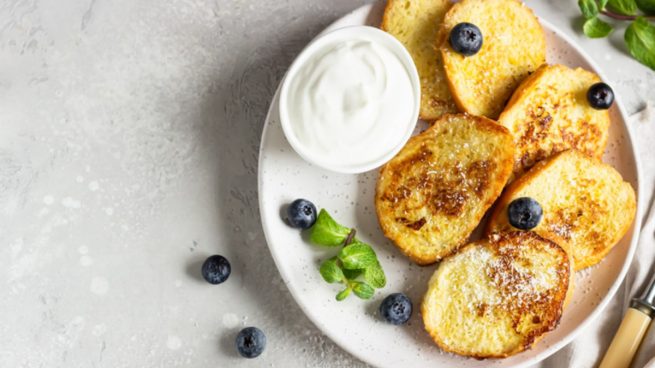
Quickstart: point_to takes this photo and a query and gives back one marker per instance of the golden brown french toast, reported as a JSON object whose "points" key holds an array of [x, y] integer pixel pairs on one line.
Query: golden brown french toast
{"points": [[432, 195], [415, 24], [587, 207], [549, 113], [513, 46], [496, 297]]}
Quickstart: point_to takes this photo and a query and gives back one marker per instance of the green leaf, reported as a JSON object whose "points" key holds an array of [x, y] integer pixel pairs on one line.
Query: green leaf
{"points": [[374, 275], [352, 274], [357, 256], [328, 232], [362, 289], [589, 8], [625, 7], [596, 28], [640, 38], [602, 4], [646, 6], [331, 271], [343, 294]]}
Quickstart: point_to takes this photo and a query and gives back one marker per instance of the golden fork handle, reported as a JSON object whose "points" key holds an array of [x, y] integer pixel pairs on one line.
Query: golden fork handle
{"points": [[627, 340]]}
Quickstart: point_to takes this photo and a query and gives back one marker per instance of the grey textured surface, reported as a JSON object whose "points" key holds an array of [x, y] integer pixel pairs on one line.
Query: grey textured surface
{"points": [[128, 153]]}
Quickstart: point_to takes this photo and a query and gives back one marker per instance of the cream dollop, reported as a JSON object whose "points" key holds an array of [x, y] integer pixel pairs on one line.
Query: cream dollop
{"points": [[350, 101]]}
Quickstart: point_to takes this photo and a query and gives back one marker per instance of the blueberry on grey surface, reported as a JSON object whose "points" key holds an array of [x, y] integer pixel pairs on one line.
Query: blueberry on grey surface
{"points": [[251, 342], [396, 308], [466, 39], [600, 96], [301, 214], [524, 213], [216, 269]]}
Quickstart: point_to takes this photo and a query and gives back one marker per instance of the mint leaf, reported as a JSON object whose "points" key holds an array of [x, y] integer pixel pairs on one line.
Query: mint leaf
{"points": [[596, 28], [354, 259], [331, 271], [357, 256], [646, 6], [589, 8], [343, 294], [362, 290], [352, 274], [625, 7], [327, 232], [374, 275], [640, 38], [602, 4]]}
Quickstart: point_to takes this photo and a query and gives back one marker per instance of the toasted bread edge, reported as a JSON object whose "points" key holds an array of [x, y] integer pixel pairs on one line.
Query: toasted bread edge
{"points": [[502, 203], [565, 302], [496, 188]]}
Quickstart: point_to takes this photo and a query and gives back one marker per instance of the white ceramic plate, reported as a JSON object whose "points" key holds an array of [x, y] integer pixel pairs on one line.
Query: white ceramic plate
{"points": [[354, 323]]}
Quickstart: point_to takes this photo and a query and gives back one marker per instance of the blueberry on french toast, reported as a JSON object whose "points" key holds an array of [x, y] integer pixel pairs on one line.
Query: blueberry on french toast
{"points": [[600, 96], [514, 46], [466, 39], [549, 113], [587, 206]]}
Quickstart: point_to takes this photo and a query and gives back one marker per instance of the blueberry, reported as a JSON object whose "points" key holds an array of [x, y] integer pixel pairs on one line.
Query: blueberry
{"points": [[216, 269], [251, 342], [600, 96], [396, 309], [301, 213], [466, 39], [524, 213]]}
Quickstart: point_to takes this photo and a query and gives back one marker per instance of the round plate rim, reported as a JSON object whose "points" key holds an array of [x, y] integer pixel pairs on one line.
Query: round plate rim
{"points": [[296, 294]]}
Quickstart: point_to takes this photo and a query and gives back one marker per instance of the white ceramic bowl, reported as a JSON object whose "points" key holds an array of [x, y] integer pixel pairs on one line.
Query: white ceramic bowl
{"points": [[318, 45]]}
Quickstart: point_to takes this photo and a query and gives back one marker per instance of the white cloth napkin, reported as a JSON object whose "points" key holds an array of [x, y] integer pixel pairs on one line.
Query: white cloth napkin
{"points": [[589, 347]]}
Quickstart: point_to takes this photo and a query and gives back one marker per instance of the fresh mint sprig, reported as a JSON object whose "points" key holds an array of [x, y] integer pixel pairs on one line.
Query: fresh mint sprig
{"points": [[357, 256], [331, 271], [624, 7], [639, 37], [374, 275], [356, 266], [327, 232]]}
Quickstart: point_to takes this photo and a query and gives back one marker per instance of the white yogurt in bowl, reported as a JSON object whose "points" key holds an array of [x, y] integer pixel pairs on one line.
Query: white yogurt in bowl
{"points": [[350, 100]]}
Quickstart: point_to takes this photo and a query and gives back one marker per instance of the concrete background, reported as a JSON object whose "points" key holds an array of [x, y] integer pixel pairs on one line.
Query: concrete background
{"points": [[129, 134]]}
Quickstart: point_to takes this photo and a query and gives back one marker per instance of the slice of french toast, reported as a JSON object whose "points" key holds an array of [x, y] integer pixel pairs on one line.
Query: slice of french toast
{"points": [[587, 207], [496, 297], [513, 46], [549, 113], [433, 193], [415, 24]]}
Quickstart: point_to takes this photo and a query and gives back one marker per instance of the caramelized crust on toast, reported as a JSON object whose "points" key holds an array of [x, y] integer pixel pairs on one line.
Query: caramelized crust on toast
{"points": [[496, 297], [432, 195], [549, 113], [415, 24], [587, 207], [513, 46]]}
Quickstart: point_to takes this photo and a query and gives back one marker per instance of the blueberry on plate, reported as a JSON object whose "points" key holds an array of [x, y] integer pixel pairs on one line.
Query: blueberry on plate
{"points": [[301, 213], [396, 308], [216, 269], [251, 342], [600, 96], [466, 39], [524, 213]]}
